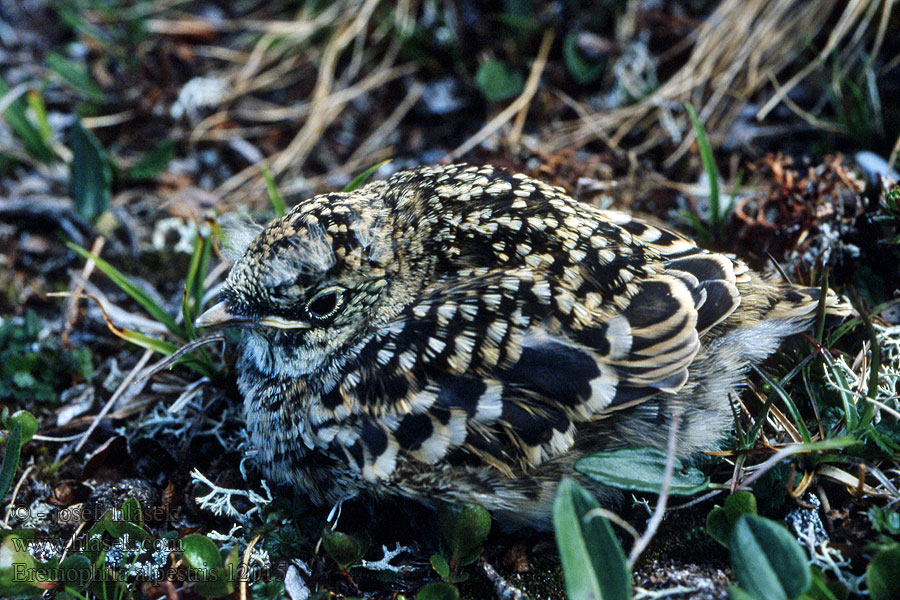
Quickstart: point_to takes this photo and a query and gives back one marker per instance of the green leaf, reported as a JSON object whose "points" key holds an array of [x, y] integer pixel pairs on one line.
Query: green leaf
{"points": [[438, 590], [821, 589], [90, 182], [736, 593], [721, 519], [439, 564], [153, 163], [16, 564], [463, 528], [767, 560], [10, 457], [885, 520], [28, 422], [132, 513], [274, 195], [345, 549], [497, 81], [641, 470], [201, 554], [76, 75], [582, 70], [39, 110], [709, 165], [77, 571], [129, 287], [593, 563], [17, 118], [363, 177], [191, 301], [883, 574]]}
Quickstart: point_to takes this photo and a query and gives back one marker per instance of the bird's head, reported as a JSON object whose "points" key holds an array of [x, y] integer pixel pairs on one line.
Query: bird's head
{"points": [[310, 283]]}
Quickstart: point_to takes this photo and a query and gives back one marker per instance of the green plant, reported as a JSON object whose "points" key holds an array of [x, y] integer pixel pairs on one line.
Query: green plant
{"points": [[641, 470], [768, 562], [593, 562], [883, 574], [345, 549], [497, 81], [722, 519], [34, 367], [33, 135], [21, 426], [191, 306], [215, 575], [463, 529], [582, 69], [91, 174], [714, 229], [363, 177]]}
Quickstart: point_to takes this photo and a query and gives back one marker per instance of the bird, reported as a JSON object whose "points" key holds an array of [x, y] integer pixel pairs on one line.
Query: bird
{"points": [[465, 334]]}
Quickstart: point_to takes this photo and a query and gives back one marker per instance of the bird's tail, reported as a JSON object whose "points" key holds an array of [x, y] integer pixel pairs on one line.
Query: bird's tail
{"points": [[803, 303]]}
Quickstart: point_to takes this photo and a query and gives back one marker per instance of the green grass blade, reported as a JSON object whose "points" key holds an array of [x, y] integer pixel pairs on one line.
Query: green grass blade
{"points": [[165, 348], [275, 198], [91, 177], [129, 287], [39, 110], [190, 307], [76, 75], [153, 163], [17, 119], [10, 458], [363, 177], [789, 403], [709, 165], [851, 416], [875, 359]]}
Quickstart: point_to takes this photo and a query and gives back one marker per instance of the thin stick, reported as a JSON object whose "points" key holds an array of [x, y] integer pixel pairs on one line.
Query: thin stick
{"points": [[653, 524], [536, 69], [15, 493], [518, 104], [71, 311], [245, 567], [126, 383]]}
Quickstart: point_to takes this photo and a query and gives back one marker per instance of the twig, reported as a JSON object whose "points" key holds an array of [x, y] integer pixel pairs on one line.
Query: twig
{"points": [[653, 524], [518, 104], [15, 493], [390, 124], [71, 311], [533, 78], [126, 383], [603, 512], [244, 575], [324, 110]]}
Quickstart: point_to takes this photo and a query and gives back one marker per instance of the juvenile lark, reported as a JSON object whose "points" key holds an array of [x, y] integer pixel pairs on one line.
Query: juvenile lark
{"points": [[460, 333]]}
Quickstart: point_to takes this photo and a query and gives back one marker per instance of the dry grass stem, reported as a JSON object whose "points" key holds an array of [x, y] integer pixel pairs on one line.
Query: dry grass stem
{"points": [[738, 52], [518, 104]]}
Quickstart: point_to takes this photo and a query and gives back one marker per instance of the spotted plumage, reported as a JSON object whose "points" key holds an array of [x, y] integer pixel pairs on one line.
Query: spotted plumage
{"points": [[461, 333]]}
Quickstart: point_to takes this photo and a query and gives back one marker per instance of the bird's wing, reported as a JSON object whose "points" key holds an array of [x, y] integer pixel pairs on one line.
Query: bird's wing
{"points": [[486, 372]]}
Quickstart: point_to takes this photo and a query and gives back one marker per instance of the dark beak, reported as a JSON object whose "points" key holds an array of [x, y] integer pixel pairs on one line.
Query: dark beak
{"points": [[220, 316]]}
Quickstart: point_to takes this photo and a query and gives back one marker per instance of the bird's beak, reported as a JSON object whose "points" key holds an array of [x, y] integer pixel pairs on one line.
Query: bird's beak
{"points": [[218, 316]]}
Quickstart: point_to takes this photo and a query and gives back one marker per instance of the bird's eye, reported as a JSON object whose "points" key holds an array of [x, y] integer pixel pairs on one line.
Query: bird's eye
{"points": [[325, 304]]}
